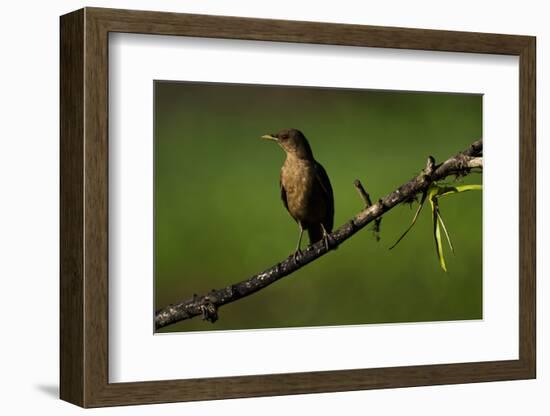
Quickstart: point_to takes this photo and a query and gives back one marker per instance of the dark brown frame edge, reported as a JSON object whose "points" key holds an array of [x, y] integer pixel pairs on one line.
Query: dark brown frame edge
{"points": [[84, 207]]}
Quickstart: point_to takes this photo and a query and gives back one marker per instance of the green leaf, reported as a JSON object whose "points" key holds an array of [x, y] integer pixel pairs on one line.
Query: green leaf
{"points": [[432, 194], [437, 234], [447, 190], [440, 217]]}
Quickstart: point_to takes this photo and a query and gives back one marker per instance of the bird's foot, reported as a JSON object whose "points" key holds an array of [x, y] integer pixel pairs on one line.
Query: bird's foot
{"points": [[329, 241], [297, 256]]}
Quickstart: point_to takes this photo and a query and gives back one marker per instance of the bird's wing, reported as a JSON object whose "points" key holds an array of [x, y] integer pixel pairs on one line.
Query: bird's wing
{"points": [[324, 181], [283, 193]]}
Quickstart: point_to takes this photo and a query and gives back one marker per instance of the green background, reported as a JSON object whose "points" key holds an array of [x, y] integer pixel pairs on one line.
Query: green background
{"points": [[219, 218]]}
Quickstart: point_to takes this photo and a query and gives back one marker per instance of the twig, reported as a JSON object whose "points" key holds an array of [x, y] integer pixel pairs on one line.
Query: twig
{"points": [[362, 193], [367, 201], [207, 305]]}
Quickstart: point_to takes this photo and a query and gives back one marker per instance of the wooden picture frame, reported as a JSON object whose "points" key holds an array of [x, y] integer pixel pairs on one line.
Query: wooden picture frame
{"points": [[84, 207]]}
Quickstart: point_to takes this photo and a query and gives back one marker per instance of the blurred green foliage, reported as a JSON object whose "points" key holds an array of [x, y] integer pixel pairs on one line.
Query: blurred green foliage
{"points": [[219, 218]]}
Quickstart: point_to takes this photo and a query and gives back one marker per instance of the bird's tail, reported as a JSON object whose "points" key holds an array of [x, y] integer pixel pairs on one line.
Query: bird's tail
{"points": [[315, 233]]}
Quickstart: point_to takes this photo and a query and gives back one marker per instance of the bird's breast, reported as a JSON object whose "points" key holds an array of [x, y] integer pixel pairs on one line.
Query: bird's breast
{"points": [[299, 180]]}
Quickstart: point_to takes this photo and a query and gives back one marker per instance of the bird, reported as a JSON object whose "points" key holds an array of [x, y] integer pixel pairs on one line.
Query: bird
{"points": [[305, 188]]}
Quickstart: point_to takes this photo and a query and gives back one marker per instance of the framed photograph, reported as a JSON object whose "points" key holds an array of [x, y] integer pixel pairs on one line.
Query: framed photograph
{"points": [[254, 207]]}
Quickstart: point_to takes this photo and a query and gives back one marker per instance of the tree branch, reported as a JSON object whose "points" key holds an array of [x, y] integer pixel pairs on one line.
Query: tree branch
{"points": [[207, 305]]}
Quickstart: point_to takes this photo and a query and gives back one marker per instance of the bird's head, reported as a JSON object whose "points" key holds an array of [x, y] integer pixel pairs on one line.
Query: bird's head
{"points": [[293, 142]]}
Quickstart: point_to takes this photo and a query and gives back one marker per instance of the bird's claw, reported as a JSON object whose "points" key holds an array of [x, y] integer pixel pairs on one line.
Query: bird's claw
{"points": [[329, 241]]}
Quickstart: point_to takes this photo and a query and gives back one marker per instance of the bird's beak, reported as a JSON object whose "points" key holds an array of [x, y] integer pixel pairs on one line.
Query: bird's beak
{"points": [[269, 137]]}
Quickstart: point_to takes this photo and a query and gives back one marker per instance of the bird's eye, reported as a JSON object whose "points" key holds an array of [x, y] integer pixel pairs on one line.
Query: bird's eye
{"points": [[284, 137]]}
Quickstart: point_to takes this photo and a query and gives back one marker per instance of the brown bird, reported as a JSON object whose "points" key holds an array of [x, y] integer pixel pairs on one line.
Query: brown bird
{"points": [[305, 188]]}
